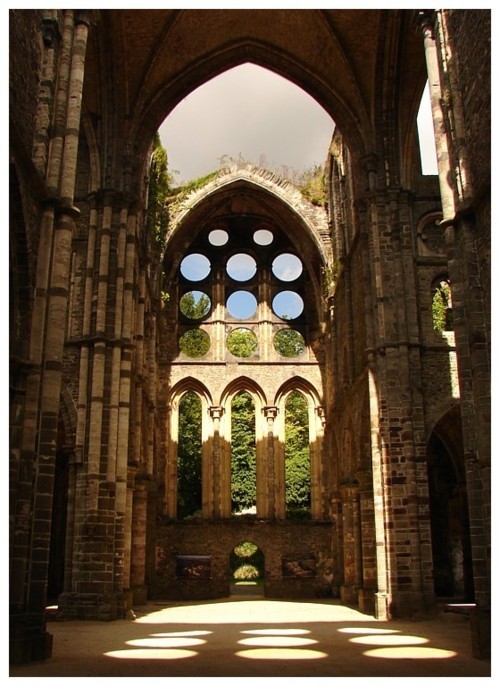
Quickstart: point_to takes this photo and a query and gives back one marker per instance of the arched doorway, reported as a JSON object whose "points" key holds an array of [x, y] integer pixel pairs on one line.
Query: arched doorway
{"points": [[247, 569], [449, 511]]}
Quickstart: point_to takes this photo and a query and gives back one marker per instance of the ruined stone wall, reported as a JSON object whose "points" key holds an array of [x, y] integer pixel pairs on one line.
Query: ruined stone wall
{"points": [[26, 57], [470, 52], [217, 539]]}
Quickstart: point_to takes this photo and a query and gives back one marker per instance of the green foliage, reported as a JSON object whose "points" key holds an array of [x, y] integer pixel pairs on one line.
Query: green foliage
{"points": [[195, 343], [247, 562], [243, 461], [178, 195], [297, 458], [245, 549], [289, 343], [242, 342], [441, 308], [192, 308], [159, 190], [246, 573], [312, 184], [189, 456]]}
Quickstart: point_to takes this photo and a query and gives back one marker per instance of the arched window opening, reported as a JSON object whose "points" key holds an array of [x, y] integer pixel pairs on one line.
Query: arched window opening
{"points": [[442, 313], [243, 455], [189, 457], [428, 156], [297, 457]]}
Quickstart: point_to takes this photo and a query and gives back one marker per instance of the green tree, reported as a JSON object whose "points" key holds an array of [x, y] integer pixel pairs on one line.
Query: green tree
{"points": [[194, 307], [243, 461], [189, 456], [297, 457], [242, 342], [289, 343], [442, 317], [195, 343]]}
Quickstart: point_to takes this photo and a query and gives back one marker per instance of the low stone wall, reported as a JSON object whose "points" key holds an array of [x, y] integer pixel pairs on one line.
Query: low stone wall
{"points": [[297, 556]]}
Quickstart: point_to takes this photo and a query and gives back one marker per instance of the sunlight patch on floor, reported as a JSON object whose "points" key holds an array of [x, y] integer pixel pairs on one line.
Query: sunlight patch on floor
{"points": [[279, 641], [165, 642], [277, 632], [367, 630], [281, 654], [389, 640], [151, 654], [410, 653]]}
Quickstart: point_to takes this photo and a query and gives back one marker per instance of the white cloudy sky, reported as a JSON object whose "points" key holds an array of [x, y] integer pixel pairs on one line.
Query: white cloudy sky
{"points": [[248, 111]]}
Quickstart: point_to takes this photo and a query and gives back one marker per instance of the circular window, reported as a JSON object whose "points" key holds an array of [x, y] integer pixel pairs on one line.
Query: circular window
{"points": [[263, 237], [195, 343], [241, 267], [287, 267], [242, 342], [218, 237], [195, 267], [241, 304], [288, 305], [289, 343], [195, 304]]}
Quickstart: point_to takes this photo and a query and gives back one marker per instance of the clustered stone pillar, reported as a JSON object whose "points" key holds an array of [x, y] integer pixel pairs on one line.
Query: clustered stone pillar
{"points": [[101, 509], [468, 297], [29, 638], [402, 525]]}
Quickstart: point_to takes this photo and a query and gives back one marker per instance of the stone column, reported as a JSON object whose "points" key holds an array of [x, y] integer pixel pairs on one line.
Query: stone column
{"points": [[318, 490], [398, 443], [221, 461], [470, 297], [29, 638], [272, 493]]}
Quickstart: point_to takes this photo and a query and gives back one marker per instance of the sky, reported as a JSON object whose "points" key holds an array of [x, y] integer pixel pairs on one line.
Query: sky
{"points": [[251, 112]]}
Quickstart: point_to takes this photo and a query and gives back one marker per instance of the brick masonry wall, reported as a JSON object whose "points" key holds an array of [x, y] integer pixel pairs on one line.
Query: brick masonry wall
{"points": [[471, 55], [218, 538]]}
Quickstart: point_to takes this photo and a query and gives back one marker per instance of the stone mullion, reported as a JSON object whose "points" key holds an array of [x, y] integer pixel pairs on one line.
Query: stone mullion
{"points": [[267, 479], [218, 326], [171, 460], [207, 467], [315, 456], [221, 462], [265, 317], [279, 462]]}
